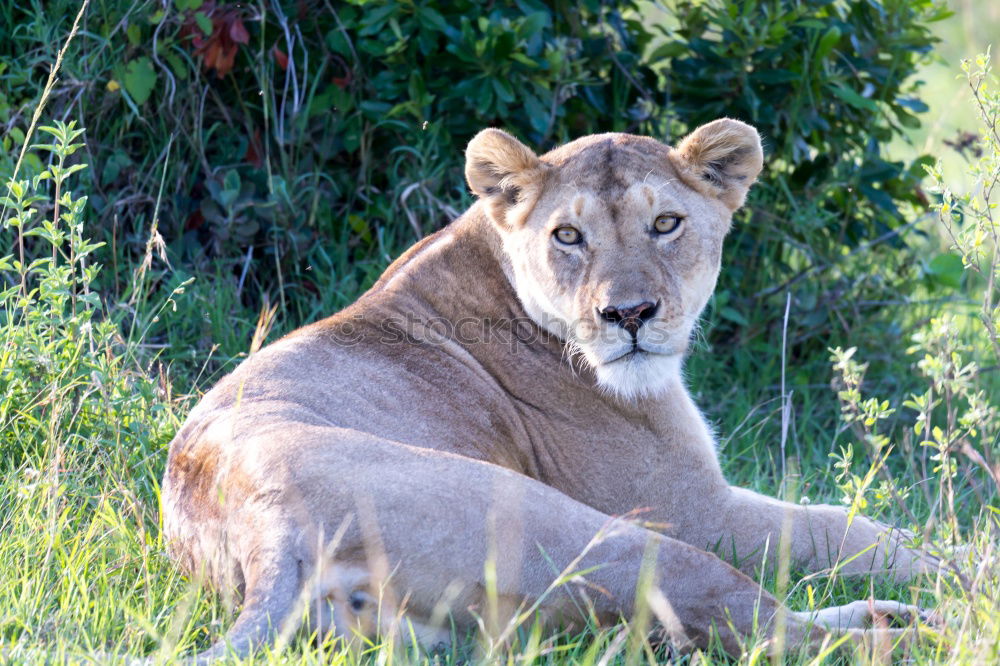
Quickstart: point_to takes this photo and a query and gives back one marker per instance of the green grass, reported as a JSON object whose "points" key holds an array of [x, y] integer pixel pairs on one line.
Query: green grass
{"points": [[84, 564], [86, 418]]}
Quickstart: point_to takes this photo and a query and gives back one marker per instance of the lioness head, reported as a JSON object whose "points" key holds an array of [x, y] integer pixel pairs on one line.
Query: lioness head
{"points": [[614, 241]]}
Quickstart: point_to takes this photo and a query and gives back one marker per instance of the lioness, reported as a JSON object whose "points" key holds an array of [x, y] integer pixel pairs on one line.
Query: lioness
{"points": [[462, 435]]}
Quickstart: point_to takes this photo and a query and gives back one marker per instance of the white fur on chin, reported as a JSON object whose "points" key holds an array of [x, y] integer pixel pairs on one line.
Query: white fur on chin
{"points": [[640, 376]]}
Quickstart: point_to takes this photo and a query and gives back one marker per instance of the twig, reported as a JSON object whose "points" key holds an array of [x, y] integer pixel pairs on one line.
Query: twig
{"points": [[785, 398], [49, 84], [816, 268], [409, 214]]}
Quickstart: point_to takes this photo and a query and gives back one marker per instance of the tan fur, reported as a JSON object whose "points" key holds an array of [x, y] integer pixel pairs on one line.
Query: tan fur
{"points": [[474, 409]]}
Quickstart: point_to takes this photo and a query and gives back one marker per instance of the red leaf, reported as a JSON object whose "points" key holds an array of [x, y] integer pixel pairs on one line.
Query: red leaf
{"points": [[343, 81], [217, 50], [211, 54], [195, 220], [280, 57], [310, 286], [237, 32], [225, 61], [254, 150]]}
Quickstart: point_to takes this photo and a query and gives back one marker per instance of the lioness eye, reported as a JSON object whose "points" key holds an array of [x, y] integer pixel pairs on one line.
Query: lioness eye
{"points": [[358, 601], [667, 224], [568, 235]]}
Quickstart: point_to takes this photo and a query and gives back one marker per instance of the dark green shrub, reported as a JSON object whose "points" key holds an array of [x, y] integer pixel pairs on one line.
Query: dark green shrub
{"points": [[309, 140], [829, 85]]}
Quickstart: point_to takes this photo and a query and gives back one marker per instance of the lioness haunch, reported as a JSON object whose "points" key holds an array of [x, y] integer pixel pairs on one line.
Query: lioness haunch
{"points": [[505, 388]]}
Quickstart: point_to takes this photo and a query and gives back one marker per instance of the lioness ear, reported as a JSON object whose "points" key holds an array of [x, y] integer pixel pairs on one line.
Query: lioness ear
{"points": [[721, 158], [502, 172]]}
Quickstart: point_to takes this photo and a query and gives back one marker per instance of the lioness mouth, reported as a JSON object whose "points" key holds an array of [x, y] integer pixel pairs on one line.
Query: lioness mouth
{"points": [[635, 352]]}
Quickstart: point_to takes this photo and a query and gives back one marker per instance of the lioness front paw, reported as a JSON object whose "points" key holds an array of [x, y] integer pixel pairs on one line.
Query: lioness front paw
{"points": [[870, 614]]}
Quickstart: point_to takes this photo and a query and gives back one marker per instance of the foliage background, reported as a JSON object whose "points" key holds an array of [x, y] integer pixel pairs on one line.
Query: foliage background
{"points": [[301, 144]]}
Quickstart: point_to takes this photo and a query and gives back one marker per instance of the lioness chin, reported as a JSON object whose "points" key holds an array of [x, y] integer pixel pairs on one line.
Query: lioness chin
{"points": [[506, 387]]}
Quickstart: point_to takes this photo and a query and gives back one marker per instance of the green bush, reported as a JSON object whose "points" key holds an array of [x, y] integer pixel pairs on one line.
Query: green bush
{"points": [[829, 85], [302, 144], [71, 385]]}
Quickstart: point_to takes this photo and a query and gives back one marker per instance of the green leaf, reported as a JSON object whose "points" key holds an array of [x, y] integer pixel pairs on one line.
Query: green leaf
{"points": [[524, 60], [231, 181], [907, 120], [431, 18], [503, 90], [134, 34], [912, 103], [947, 269], [532, 24], [771, 76], [827, 42], [204, 23], [359, 226], [852, 97], [669, 49], [140, 79], [70, 170], [811, 23], [176, 64], [733, 315]]}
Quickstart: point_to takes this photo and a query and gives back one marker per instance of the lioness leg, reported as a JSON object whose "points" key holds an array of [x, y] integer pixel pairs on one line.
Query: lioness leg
{"points": [[746, 525], [432, 533]]}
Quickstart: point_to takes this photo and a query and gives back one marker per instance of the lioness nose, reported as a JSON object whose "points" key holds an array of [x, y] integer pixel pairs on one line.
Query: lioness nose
{"points": [[632, 317]]}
